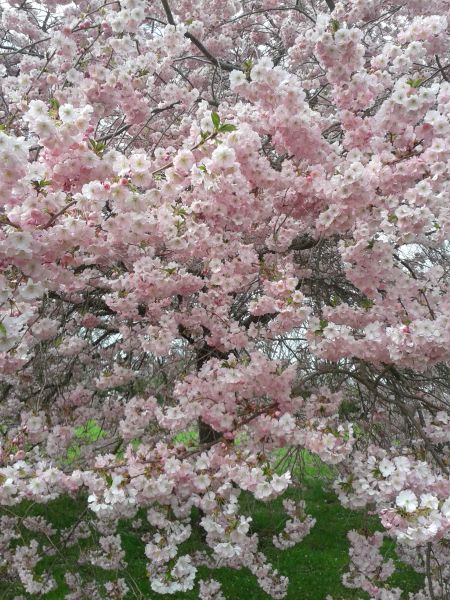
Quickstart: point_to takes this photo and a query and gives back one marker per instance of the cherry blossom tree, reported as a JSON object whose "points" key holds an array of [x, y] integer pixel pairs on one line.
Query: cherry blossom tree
{"points": [[228, 218]]}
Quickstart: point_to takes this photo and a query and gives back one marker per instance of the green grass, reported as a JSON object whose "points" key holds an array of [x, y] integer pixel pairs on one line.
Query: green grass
{"points": [[314, 567], [89, 432]]}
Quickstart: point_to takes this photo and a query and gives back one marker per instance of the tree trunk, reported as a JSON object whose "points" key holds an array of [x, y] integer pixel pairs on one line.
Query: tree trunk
{"points": [[206, 433]]}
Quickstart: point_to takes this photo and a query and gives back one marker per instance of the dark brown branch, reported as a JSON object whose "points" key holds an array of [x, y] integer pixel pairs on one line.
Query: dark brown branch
{"points": [[108, 136], [215, 61], [303, 242], [218, 63], [27, 47], [428, 571], [442, 69], [53, 218], [168, 12]]}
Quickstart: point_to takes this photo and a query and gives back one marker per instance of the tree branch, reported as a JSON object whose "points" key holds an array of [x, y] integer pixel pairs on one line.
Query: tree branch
{"points": [[58, 214], [215, 61], [442, 69], [108, 136]]}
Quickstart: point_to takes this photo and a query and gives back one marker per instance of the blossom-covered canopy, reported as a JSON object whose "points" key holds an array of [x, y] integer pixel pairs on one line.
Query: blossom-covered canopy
{"points": [[223, 240]]}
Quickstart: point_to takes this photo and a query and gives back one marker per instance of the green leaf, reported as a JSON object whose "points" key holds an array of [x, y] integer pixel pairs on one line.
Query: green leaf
{"points": [[322, 324], [334, 300], [334, 25], [346, 486], [58, 341], [97, 147], [247, 65], [414, 83], [3, 330], [357, 431], [215, 119], [54, 108], [40, 185], [377, 473], [366, 303], [179, 211], [227, 127]]}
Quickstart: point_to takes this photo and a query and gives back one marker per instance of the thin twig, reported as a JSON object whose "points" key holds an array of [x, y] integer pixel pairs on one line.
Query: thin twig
{"points": [[441, 68]]}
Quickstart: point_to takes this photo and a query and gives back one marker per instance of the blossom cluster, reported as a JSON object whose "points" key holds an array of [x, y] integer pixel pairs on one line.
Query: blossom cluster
{"points": [[223, 248]]}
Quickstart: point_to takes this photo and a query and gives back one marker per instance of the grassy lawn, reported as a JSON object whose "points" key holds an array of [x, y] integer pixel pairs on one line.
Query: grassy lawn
{"points": [[314, 567]]}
